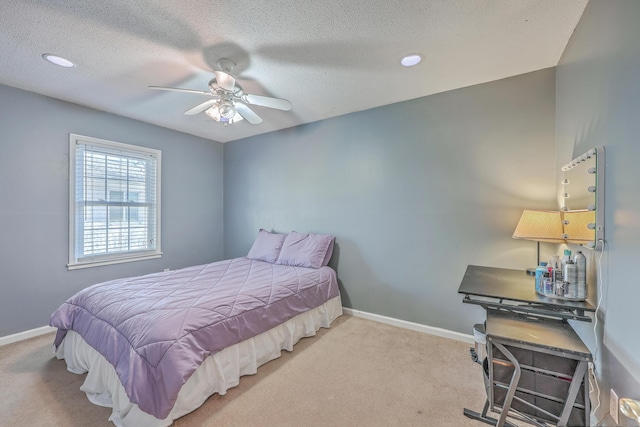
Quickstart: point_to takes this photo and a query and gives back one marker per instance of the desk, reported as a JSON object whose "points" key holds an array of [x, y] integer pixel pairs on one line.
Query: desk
{"points": [[536, 369], [514, 290]]}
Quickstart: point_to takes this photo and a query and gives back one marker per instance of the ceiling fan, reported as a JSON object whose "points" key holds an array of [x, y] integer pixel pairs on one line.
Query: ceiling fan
{"points": [[228, 103]]}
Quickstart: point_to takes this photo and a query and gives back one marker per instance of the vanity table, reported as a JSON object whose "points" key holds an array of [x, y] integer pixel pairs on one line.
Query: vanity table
{"points": [[537, 367]]}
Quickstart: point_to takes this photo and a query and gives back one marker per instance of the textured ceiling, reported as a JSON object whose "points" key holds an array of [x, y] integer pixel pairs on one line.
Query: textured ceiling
{"points": [[328, 57]]}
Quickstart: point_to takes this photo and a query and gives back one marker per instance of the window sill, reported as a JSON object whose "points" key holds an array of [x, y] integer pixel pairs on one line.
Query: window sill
{"points": [[88, 264]]}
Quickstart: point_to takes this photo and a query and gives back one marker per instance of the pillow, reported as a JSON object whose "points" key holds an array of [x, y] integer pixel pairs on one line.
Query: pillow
{"points": [[327, 257], [306, 250], [267, 246]]}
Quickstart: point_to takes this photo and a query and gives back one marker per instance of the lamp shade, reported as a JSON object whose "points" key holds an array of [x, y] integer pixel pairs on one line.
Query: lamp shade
{"points": [[540, 226]]}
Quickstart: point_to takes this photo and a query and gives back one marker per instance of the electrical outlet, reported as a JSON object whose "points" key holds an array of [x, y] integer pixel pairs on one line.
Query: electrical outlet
{"points": [[613, 406]]}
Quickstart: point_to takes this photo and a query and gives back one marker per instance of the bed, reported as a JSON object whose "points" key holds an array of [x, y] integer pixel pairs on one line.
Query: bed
{"points": [[154, 347]]}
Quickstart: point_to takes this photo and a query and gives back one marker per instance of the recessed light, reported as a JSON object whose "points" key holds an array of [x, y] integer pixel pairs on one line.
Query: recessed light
{"points": [[411, 60], [58, 60]]}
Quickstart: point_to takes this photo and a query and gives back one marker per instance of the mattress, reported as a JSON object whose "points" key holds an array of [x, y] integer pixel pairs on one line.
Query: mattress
{"points": [[217, 374], [157, 329]]}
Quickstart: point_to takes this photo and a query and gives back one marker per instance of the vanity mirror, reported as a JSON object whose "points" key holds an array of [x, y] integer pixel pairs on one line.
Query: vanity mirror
{"points": [[583, 199]]}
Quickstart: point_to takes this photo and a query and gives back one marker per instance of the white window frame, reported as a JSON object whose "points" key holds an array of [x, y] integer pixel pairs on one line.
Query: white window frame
{"points": [[77, 261]]}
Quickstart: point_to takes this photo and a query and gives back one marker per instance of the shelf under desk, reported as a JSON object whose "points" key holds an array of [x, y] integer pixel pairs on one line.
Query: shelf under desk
{"points": [[552, 335]]}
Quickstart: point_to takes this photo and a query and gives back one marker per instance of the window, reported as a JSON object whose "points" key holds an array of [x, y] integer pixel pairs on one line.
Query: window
{"points": [[114, 209]]}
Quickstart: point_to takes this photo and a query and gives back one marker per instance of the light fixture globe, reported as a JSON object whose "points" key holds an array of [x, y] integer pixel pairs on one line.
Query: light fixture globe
{"points": [[215, 113], [227, 110]]}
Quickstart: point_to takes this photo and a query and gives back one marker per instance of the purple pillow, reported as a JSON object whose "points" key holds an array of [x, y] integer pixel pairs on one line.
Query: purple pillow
{"points": [[267, 246], [327, 257], [306, 250]]}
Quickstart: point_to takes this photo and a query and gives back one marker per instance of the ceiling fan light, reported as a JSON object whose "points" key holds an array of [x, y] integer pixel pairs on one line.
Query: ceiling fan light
{"points": [[227, 110], [214, 113]]}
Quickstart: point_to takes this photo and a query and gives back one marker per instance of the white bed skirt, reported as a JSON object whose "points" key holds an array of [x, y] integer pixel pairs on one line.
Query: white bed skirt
{"points": [[217, 374]]}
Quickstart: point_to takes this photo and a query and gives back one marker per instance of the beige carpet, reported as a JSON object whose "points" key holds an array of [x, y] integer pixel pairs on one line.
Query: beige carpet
{"points": [[359, 372]]}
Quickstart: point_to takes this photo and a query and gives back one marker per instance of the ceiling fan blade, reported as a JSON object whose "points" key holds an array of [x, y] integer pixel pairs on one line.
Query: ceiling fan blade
{"points": [[177, 89], [225, 80], [200, 108], [248, 114], [266, 101]]}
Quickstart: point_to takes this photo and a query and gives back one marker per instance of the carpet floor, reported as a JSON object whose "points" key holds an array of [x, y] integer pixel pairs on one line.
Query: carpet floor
{"points": [[357, 373]]}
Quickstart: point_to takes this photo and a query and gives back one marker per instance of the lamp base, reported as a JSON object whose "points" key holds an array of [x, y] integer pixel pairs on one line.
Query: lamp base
{"points": [[531, 271]]}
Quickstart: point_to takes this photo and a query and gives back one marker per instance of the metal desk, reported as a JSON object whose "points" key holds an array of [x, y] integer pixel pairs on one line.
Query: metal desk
{"points": [[514, 290], [536, 369]]}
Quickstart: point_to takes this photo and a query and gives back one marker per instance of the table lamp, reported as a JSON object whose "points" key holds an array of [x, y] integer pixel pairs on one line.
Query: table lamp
{"points": [[540, 226]]}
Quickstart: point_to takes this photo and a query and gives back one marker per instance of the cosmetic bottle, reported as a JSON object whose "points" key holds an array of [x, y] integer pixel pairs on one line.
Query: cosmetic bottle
{"points": [[570, 280], [540, 270], [547, 281], [563, 261], [581, 265]]}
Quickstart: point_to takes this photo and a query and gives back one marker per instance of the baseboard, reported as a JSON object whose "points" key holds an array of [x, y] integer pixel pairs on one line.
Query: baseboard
{"points": [[410, 325], [20, 336]]}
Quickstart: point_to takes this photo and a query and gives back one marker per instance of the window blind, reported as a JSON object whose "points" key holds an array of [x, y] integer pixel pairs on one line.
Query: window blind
{"points": [[115, 201]]}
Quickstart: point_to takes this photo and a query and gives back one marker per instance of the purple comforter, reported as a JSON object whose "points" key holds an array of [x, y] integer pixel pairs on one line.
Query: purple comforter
{"points": [[157, 329]]}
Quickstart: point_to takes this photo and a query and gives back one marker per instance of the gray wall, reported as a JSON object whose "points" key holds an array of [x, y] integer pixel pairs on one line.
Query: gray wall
{"points": [[413, 192], [598, 103], [34, 199]]}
